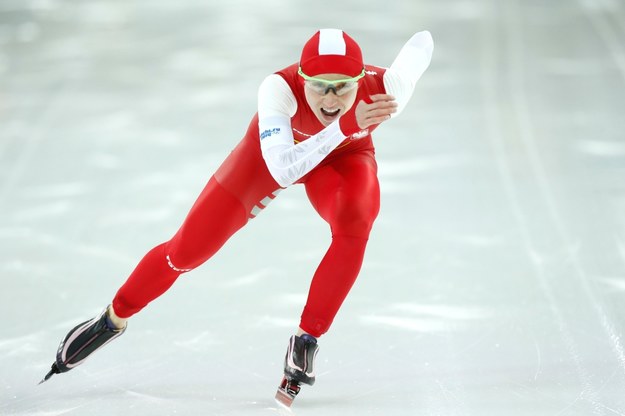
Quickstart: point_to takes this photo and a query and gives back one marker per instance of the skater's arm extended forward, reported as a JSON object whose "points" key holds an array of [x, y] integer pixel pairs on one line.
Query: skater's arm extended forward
{"points": [[411, 62], [286, 161]]}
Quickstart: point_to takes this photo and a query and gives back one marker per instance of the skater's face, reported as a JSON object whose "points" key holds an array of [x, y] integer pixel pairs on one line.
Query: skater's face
{"points": [[329, 100]]}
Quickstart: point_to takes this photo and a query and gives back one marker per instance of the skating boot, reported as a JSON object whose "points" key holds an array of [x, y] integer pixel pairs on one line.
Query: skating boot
{"points": [[298, 367], [82, 341]]}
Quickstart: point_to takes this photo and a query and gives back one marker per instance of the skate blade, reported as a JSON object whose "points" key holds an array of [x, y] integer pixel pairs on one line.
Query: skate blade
{"points": [[54, 370], [283, 398], [287, 391]]}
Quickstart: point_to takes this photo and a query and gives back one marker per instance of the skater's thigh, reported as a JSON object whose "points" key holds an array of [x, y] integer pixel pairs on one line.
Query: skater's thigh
{"points": [[346, 193], [213, 219], [241, 187], [245, 175]]}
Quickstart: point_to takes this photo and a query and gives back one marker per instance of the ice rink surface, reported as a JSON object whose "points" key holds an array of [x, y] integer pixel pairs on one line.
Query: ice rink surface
{"points": [[494, 283]]}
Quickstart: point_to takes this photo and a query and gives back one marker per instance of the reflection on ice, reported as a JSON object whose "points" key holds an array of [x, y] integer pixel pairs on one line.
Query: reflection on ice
{"points": [[616, 283], [198, 342], [604, 148], [449, 312], [425, 318]]}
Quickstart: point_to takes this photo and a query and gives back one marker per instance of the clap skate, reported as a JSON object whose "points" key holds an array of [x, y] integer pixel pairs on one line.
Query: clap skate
{"points": [[298, 368], [85, 339]]}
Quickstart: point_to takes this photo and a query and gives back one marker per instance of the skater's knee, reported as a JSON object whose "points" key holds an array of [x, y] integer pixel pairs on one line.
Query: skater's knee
{"points": [[355, 224], [178, 259], [175, 257], [183, 255], [180, 267]]}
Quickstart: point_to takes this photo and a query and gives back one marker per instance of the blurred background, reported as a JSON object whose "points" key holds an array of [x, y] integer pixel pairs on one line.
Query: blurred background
{"points": [[494, 281]]}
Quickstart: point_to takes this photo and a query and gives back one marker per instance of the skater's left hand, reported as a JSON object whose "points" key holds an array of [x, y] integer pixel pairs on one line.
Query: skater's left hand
{"points": [[379, 109]]}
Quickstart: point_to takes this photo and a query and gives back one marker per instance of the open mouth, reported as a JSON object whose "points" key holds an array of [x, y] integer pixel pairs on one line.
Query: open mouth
{"points": [[330, 114]]}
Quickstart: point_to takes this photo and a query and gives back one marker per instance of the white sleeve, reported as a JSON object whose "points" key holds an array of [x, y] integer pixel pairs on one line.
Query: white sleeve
{"points": [[286, 161], [411, 62]]}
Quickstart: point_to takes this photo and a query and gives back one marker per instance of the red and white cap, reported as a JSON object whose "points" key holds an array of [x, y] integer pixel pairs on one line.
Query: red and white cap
{"points": [[331, 51]]}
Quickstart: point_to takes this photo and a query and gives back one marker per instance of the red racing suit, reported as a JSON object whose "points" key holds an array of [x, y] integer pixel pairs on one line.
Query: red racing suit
{"points": [[343, 188]]}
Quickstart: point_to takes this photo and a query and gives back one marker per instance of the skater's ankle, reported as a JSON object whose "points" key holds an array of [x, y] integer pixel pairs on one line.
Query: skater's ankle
{"points": [[115, 321], [303, 334]]}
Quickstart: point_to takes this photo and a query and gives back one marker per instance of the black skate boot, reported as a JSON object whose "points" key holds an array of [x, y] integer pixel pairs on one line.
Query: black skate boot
{"points": [[82, 341], [298, 367]]}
